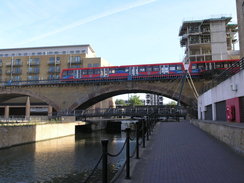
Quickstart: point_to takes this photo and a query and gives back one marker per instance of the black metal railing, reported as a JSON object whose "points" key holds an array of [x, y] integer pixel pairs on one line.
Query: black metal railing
{"points": [[235, 68], [144, 128]]}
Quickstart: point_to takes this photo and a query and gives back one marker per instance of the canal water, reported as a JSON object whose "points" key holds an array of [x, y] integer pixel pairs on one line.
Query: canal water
{"points": [[64, 160]]}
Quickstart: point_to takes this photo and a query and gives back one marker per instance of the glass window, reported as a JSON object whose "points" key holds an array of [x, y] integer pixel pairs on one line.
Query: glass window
{"points": [[6, 55], [89, 65], [1, 55], [39, 53], [111, 70], [71, 52], [172, 67], [51, 59], [84, 72], [25, 54], [155, 68], [149, 69], [19, 54], [142, 69], [33, 53], [97, 71], [90, 71], [56, 52], [179, 68], [96, 65], [64, 52], [77, 51]]}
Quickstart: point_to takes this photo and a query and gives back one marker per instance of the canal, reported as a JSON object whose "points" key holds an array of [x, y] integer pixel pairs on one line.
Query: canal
{"points": [[64, 160]]}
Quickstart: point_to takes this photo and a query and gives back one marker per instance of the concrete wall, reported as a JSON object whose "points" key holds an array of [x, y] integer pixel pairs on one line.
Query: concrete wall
{"points": [[229, 89], [218, 40], [15, 135], [231, 135], [240, 16]]}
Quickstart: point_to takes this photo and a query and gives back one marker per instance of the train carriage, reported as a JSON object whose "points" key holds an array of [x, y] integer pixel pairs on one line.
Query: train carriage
{"points": [[127, 72]]}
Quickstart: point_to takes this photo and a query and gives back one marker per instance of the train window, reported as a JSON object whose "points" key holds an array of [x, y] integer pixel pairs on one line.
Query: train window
{"points": [[194, 66], [155, 68], [217, 65], [172, 67], [84, 72], [127, 69], [142, 69], [225, 65], [96, 71], [90, 71], [178, 67], [111, 71], [149, 69]]}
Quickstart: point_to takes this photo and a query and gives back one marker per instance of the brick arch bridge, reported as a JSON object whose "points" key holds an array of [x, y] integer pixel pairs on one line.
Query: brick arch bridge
{"points": [[68, 97]]}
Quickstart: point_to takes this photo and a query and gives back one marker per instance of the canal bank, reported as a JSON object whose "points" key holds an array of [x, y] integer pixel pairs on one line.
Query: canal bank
{"points": [[22, 134]]}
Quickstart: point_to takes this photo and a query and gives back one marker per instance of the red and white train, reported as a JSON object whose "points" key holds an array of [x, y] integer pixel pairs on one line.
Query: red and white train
{"points": [[130, 72]]}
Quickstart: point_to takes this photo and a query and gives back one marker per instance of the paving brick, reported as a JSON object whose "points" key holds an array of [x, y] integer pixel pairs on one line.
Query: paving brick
{"points": [[182, 153]]}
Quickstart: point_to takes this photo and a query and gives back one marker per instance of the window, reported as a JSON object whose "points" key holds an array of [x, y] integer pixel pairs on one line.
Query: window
{"points": [[96, 65], [84, 72], [56, 52], [172, 67], [90, 71], [51, 59], [155, 68], [33, 53], [77, 58], [97, 71], [142, 69], [149, 69], [6, 55], [39, 53], [13, 54], [77, 51], [19, 54], [179, 67], [25, 54], [111, 70], [64, 52], [71, 52], [1, 55], [89, 65]]}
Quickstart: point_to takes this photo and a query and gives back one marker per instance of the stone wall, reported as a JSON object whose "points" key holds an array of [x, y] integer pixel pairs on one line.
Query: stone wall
{"points": [[230, 134], [16, 135]]}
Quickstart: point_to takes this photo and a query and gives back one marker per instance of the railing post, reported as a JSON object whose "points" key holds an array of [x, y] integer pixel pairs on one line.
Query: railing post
{"points": [[105, 160], [127, 153], [143, 133], [137, 140], [147, 127]]}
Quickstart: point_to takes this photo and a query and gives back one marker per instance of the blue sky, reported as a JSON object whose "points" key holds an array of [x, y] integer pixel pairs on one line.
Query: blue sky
{"points": [[120, 31]]}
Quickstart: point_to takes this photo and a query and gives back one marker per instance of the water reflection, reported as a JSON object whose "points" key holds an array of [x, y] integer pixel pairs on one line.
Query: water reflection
{"points": [[58, 160]]}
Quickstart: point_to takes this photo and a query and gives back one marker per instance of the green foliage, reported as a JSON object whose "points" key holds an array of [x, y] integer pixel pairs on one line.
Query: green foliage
{"points": [[135, 100], [172, 103], [120, 102]]}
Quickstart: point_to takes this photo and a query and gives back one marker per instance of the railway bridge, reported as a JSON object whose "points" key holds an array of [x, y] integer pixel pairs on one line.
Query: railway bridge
{"points": [[65, 97]]}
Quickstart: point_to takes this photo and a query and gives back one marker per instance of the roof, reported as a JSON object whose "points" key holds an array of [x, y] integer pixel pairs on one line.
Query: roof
{"points": [[183, 28], [47, 47]]}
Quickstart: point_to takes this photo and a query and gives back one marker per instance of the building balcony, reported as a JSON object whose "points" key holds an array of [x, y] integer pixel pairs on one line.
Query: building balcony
{"points": [[13, 72], [53, 63], [14, 64], [33, 71], [54, 70], [33, 63]]}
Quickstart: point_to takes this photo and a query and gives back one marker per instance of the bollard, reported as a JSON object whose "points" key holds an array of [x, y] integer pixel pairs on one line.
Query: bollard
{"points": [[147, 127], [127, 153], [137, 140], [143, 134], [105, 160]]}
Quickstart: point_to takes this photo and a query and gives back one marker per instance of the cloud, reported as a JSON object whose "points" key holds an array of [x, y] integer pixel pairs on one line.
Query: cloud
{"points": [[90, 19]]}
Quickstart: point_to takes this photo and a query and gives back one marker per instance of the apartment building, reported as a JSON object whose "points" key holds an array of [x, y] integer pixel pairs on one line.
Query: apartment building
{"points": [[153, 99], [40, 63], [209, 39], [240, 16], [46, 63]]}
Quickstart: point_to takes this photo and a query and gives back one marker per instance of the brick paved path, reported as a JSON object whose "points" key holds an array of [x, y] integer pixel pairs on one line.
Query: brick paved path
{"points": [[182, 153]]}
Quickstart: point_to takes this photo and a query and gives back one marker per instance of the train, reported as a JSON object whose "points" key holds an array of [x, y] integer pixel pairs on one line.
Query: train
{"points": [[131, 72]]}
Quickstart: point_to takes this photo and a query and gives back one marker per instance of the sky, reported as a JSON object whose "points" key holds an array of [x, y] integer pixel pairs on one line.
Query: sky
{"points": [[121, 31]]}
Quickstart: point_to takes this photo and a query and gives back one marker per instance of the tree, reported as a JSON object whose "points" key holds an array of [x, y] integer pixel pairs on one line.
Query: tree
{"points": [[135, 100], [120, 102], [172, 103]]}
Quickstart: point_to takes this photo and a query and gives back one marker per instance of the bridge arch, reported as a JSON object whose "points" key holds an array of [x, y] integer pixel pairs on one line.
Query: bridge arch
{"points": [[16, 92], [102, 93]]}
